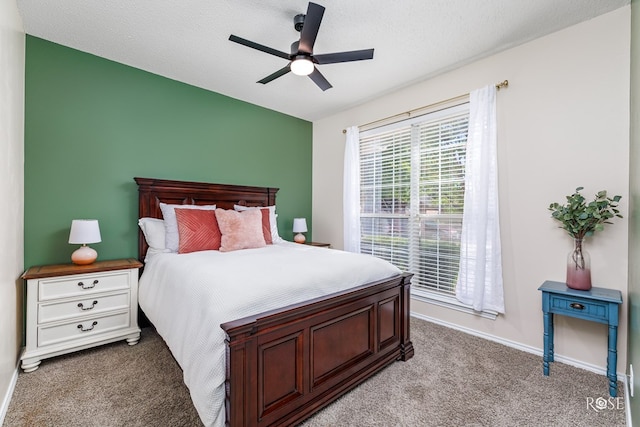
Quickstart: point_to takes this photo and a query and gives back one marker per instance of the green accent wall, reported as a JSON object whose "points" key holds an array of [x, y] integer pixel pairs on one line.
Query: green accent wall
{"points": [[91, 125]]}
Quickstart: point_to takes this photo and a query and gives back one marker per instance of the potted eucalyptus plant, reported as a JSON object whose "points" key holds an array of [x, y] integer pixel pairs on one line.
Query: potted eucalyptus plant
{"points": [[581, 219]]}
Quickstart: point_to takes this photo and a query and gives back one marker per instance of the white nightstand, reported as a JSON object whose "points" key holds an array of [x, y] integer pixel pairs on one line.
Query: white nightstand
{"points": [[73, 307]]}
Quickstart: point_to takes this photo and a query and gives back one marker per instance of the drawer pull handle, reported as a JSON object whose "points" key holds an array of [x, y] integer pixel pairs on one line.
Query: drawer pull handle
{"points": [[576, 305], [82, 329], [93, 285], [83, 308]]}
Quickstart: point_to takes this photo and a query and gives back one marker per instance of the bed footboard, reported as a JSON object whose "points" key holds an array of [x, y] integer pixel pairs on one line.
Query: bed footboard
{"points": [[283, 366]]}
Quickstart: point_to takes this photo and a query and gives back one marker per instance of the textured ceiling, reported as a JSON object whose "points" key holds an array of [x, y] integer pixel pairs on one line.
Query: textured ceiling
{"points": [[187, 40]]}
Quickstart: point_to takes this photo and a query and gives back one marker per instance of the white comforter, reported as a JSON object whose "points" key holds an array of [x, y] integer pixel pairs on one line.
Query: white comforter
{"points": [[188, 296]]}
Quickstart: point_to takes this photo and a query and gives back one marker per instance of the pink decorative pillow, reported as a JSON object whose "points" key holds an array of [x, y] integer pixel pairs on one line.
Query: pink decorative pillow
{"points": [[197, 230], [240, 230], [272, 220]]}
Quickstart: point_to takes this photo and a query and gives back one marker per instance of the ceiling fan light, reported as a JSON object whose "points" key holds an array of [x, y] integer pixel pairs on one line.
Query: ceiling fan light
{"points": [[302, 66]]}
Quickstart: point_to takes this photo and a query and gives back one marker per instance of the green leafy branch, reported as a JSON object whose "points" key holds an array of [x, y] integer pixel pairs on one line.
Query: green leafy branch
{"points": [[581, 219]]}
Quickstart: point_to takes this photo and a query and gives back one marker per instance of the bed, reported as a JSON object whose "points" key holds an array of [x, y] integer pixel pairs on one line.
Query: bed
{"points": [[283, 364]]}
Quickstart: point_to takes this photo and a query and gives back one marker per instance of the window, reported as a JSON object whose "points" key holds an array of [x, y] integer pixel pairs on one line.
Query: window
{"points": [[412, 195]]}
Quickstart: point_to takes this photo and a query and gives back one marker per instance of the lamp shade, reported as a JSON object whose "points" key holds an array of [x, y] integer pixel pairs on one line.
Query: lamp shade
{"points": [[84, 231], [299, 225]]}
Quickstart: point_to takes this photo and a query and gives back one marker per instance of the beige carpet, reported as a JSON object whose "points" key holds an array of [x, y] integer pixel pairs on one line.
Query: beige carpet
{"points": [[454, 380]]}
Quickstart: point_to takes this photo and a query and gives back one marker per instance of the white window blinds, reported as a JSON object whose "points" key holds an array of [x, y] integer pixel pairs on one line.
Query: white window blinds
{"points": [[412, 194]]}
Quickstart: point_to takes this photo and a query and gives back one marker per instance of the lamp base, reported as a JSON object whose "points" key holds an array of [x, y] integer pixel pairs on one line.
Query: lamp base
{"points": [[84, 255], [299, 238]]}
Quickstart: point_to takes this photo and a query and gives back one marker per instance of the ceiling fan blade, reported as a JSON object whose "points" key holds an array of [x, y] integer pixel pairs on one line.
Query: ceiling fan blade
{"points": [[319, 79], [310, 27], [258, 46], [354, 55], [281, 72]]}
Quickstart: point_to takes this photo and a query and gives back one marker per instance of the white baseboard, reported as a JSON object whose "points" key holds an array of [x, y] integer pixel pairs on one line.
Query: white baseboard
{"points": [[519, 346], [627, 401], [9, 393]]}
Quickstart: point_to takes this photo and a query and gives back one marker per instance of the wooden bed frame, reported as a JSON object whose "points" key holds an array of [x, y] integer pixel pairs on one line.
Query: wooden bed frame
{"points": [[284, 365]]}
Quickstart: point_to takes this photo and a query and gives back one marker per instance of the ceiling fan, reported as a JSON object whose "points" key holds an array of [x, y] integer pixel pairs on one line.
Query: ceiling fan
{"points": [[302, 61]]}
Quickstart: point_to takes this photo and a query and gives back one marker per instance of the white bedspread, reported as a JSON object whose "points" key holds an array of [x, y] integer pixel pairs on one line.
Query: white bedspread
{"points": [[188, 296]]}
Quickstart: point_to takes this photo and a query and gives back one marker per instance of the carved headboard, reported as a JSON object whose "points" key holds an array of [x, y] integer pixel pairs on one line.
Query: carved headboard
{"points": [[153, 191]]}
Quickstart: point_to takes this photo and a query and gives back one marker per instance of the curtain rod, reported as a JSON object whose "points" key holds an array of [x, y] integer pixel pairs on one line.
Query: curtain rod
{"points": [[502, 84]]}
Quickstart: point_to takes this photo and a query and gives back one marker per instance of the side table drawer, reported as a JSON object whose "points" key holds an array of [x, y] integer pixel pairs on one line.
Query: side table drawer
{"points": [[48, 335], [81, 285], [579, 307], [56, 310]]}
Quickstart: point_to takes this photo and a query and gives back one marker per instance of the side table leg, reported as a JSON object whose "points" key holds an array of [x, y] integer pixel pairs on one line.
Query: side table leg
{"points": [[133, 339], [548, 342], [30, 365], [612, 361], [551, 339]]}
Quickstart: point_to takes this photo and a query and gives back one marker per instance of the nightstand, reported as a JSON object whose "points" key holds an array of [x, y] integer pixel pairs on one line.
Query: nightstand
{"points": [[73, 307], [321, 245], [597, 305]]}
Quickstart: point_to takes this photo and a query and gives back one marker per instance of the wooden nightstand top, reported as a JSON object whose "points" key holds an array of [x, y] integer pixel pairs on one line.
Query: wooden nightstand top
{"points": [[319, 244], [56, 270]]}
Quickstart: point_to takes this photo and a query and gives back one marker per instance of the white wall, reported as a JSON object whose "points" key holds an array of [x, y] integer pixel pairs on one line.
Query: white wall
{"points": [[12, 51], [634, 209], [563, 122]]}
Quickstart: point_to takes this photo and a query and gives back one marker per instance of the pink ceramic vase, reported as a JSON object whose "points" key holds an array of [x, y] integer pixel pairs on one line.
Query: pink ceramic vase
{"points": [[579, 267]]}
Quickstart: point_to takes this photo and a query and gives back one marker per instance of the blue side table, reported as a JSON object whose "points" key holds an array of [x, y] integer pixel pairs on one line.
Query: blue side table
{"points": [[598, 305]]}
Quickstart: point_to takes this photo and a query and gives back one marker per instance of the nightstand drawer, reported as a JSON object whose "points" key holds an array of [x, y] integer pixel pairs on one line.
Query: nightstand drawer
{"points": [[584, 308], [56, 311], [48, 335], [88, 284]]}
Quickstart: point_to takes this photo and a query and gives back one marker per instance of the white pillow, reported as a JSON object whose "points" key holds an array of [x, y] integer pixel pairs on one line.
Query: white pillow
{"points": [[172, 239], [154, 232], [273, 222]]}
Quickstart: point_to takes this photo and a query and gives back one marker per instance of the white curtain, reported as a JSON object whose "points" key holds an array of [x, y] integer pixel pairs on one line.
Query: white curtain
{"points": [[480, 276], [351, 191]]}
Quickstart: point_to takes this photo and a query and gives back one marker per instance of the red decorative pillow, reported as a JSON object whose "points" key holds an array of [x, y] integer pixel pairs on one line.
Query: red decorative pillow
{"points": [[197, 230], [266, 226], [240, 230]]}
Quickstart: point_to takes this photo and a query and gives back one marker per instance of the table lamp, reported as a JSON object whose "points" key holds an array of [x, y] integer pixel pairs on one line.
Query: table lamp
{"points": [[84, 231], [299, 227]]}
